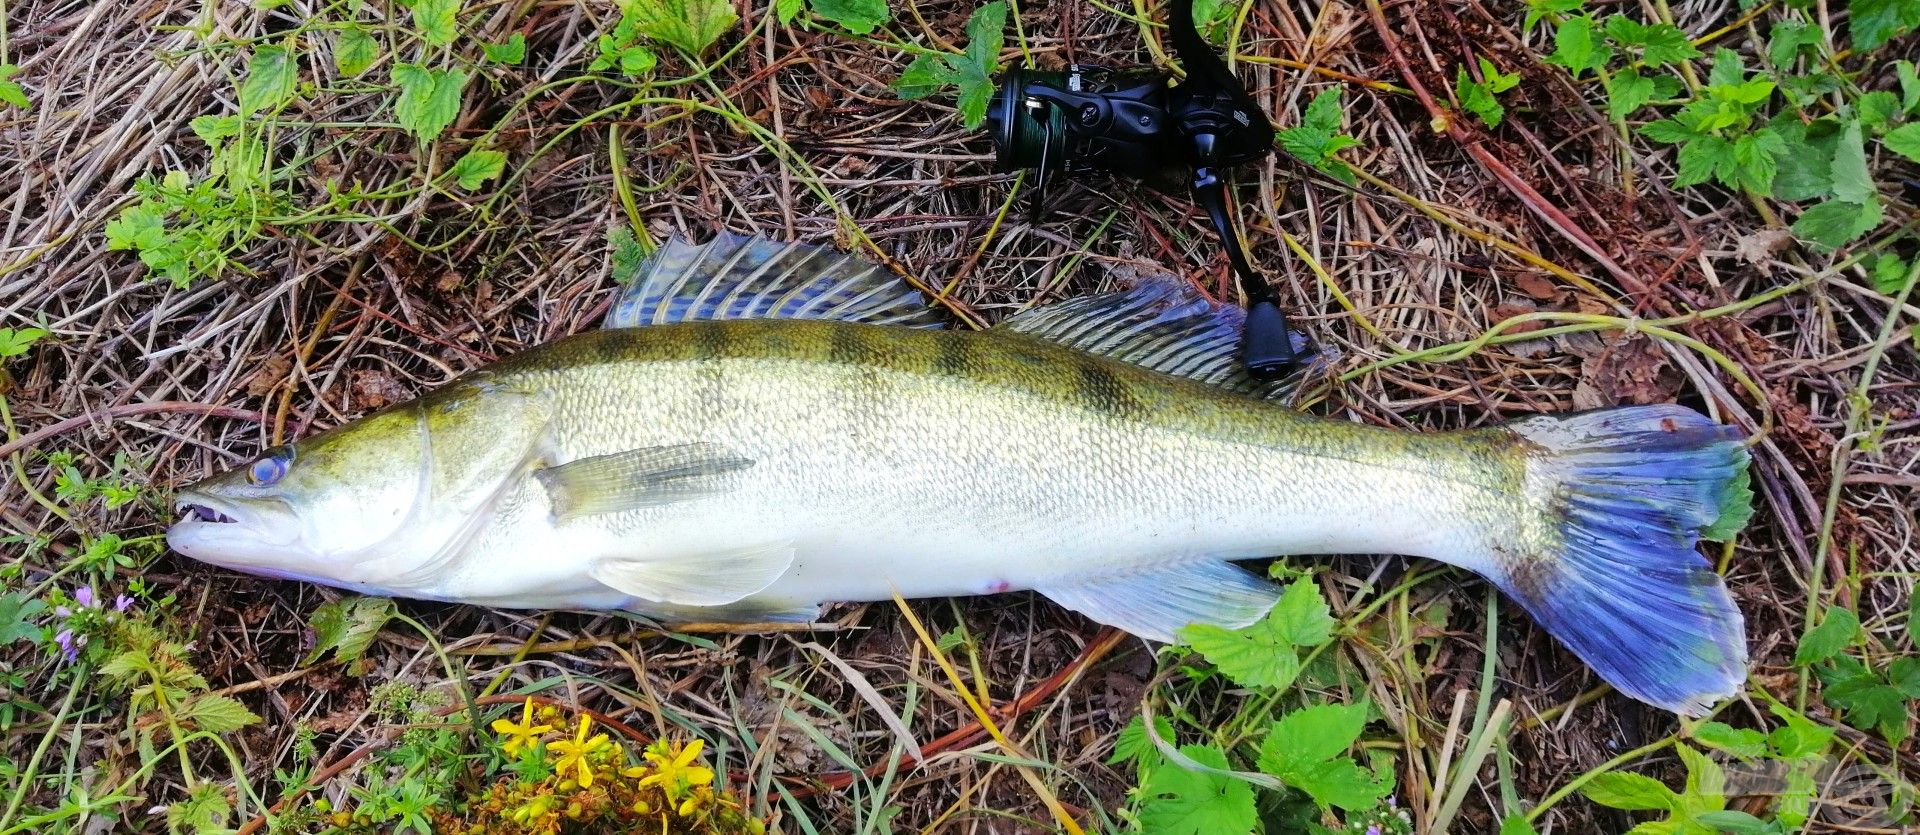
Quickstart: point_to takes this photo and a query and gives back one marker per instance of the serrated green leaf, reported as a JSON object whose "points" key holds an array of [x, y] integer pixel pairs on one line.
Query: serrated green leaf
{"points": [[1877, 110], [787, 10], [17, 609], [1478, 98], [691, 25], [1799, 736], [438, 21], [1904, 675], [1516, 824], [141, 226], [924, 76], [1701, 158], [1538, 9], [1754, 156], [1745, 743], [1578, 47], [1874, 22], [1301, 617], [1870, 704], [205, 810], [627, 256], [1133, 744], [10, 91], [217, 714], [1852, 182], [1806, 167], [212, 129], [1251, 657], [857, 16], [1836, 632], [429, 99], [1182, 802], [1626, 790], [1310, 735], [1669, 131], [355, 50], [477, 167], [1628, 91], [1317, 138], [271, 77], [1728, 68], [1659, 43], [346, 627], [1788, 38], [512, 52], [1904, 140]]}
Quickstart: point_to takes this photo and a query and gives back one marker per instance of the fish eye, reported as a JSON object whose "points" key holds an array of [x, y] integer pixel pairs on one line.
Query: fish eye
{"points": [[272, 467]]}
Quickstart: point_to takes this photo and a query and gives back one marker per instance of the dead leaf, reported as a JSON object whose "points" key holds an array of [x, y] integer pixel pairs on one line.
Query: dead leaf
{"points": [[1759, 248], [1536, 286], [1633, 370], [273, 372], [375, 389]]}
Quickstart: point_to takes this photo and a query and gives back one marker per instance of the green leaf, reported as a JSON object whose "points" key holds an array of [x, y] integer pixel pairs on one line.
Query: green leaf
{"points": [[985, 34], [1578, 47], [691, 25], [1874, 22], [438, 21], [1340, 784], [1836, 223], [1877, 109], [1904, 140], [1799, 736], [1754, 163], [217, 714], [787, 10], [1909, 86], [1182, 802], [924, 76], [1478, 97], [1788, 38], [1301, 617], [1659, 43], [1627, 91], [18, 609], [628, 255], [13, 343], [1537, 9], [1889, 275], [1806, 167], [1745, 743], [1133, 744], [1251, 657], [346, 627], [857, 16], [478, 167], [10, 91], [1871, 703], [1626, 790], [1317, 138], [212, 129], [1701, 158], [1728, 69], [1835, 632], [1668, 131], [1516, 824], [205, 810], [1310, 735], [1735, 821], [141, 226], [271, 76], [355, 50], [512, 52], [1852, 181], [1904, 675], [429, 99]]}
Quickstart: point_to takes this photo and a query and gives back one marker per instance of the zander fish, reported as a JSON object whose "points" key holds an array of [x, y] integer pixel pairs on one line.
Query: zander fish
{"points": [[765, 427]]}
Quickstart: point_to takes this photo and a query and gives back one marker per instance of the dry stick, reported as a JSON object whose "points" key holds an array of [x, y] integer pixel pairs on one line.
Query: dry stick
{"points": [[1532, 199], [305, 351], [125, 410]]}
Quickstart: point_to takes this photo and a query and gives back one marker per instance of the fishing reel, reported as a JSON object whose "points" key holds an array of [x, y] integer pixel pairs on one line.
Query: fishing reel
{"points": [[1130, 121]]}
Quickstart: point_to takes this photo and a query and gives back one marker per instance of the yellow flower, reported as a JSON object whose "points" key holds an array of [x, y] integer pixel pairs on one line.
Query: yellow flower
{"points": [[573, 753], [674, 774], [520, 733]]}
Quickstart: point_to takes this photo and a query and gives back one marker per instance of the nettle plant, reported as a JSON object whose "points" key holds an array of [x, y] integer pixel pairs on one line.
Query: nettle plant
{"points": [[1800, 129]]}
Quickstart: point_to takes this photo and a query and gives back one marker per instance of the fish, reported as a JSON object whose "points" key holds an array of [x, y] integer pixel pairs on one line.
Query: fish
{"points": [[764, 427]]}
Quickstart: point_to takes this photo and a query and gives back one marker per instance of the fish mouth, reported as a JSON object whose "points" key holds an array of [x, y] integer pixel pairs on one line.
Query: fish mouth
{"points": [[202, 510]]}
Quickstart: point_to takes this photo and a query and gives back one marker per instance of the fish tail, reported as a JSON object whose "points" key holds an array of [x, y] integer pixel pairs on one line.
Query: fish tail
{"points": [[1611, 569]]}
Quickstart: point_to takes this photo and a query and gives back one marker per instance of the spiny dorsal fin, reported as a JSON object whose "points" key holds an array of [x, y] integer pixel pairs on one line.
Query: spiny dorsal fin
{"points": [[1164, 324], [737, 277]]}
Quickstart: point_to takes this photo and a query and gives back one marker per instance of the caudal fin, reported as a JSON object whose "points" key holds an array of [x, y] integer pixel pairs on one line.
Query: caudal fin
{"points": [[1613, 572]]}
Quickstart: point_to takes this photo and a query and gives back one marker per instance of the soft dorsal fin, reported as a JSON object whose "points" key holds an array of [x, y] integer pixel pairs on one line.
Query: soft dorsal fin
{"points": [[1164, 324], [737, 277]]}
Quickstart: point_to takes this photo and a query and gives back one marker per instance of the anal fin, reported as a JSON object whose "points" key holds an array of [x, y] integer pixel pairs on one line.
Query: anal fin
{"points": [[1155, 603]]}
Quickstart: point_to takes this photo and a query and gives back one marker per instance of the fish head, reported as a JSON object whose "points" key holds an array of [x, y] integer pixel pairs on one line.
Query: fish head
{"points": [[330, 509]]}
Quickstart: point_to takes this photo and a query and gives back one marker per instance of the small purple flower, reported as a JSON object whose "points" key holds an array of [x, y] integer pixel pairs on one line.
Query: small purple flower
{"points": [[67, 646], [1391, 803], [121, 603], [1373, 829], [62, 612], [83, 595]]}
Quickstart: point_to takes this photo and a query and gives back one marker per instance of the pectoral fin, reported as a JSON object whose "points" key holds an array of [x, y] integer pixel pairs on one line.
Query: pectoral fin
{"points": [[1155, 604], [709, 579], [640, 478]]}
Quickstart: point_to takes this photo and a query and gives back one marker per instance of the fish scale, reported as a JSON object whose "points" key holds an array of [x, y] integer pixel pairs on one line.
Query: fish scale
{"points": [[698, 462]]}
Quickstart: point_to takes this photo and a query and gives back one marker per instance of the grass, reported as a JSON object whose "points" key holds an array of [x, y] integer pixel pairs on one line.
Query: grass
{"points": [[225, 225]]}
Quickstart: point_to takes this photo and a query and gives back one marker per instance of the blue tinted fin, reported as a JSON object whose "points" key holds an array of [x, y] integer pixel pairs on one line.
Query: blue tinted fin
{"points": [[1632, 490], [1164, 324], [1156, 603], [737, 277]]}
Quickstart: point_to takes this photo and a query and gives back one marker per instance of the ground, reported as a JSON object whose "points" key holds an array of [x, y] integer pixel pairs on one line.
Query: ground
{"points": [[224, 225]]}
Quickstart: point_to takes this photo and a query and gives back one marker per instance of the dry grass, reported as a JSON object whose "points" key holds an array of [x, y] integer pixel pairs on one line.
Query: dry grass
{"points": [[327, 320]]}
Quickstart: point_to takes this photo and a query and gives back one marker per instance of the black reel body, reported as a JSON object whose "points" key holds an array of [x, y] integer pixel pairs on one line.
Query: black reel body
{"points": [[1091, 119]]}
